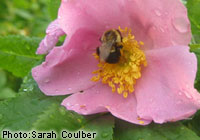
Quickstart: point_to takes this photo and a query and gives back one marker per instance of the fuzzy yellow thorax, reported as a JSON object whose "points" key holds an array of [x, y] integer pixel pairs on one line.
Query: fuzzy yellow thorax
{"points": [[122, 76]]}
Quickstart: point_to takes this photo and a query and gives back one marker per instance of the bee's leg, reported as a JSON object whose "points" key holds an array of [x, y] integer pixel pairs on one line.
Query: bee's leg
{"points": [[120, 46], [97, 51]]}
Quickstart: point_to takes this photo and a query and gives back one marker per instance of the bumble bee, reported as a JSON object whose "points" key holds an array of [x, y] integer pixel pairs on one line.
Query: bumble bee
{"points": [[109, 51]]}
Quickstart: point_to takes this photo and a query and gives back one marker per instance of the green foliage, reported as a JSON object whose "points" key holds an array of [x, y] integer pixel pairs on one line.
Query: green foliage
{"points": [[2, 79], [196, 49], [103, 126], [194, 123], [24, 17], [169, 131], [17, 54], [194, 15], [31, 109], [21, 112], [57, 118], [53, 6], [5, 92]]}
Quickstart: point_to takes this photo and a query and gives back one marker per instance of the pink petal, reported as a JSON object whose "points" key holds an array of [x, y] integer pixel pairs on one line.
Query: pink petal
{"points": [[101, 99], [53, 33], [158, 23], [166, 91], [97, 15], [68, 69]]}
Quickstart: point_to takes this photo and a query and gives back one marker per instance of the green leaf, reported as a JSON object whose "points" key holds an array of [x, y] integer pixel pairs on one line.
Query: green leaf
{"points": [[196, 49], [53, 6], [58, 119], [31, 109], [22, 111], [17, 54], [2, 79], [194, 16], [194, 123], [5, 92], [103, 126], [169, 131]]}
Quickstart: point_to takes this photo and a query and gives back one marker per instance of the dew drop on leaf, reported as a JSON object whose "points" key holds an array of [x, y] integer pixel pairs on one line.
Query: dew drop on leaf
{"points": [[25, 90], [105, 134], [62, 111]]}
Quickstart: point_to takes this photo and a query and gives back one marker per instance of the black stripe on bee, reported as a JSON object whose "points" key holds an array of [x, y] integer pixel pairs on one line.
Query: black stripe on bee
{"points": [[109, 51]]}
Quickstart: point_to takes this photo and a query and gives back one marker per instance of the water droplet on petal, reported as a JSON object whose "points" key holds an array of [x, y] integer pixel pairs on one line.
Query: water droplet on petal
{"points": [[69, 88], [154, 28], [189, 62], [44, 64], [180, 93], [35, 74], [68, 104], [162, 30], [56, 91], [184, 92], [151, 100], [188, 95], [157, 12], [180, 24], [47, 81], [107, 27], [173, 42]]}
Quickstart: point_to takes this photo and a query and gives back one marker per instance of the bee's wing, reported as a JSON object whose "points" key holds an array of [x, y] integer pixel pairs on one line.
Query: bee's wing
{"points": [[104, 50]]}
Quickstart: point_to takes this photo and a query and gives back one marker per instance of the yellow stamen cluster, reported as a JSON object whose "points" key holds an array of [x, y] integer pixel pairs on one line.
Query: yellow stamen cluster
{"points": [[122, 76]]}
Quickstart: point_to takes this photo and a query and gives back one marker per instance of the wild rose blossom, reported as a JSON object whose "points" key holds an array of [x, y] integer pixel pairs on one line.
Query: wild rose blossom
{"points": [[160, 87]]}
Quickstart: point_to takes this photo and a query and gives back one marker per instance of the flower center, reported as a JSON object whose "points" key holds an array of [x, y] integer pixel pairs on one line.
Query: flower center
{"points": [[122, 75]]}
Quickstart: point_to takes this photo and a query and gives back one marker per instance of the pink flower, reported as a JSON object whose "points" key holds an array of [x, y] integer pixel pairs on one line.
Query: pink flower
{"points": [[163, 90]]}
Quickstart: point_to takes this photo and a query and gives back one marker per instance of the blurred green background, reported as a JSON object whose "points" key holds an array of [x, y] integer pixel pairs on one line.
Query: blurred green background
{"points": [[26, 18]]}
